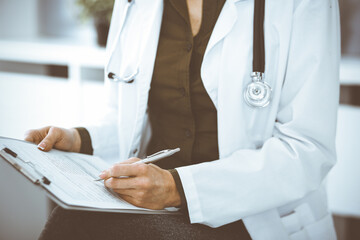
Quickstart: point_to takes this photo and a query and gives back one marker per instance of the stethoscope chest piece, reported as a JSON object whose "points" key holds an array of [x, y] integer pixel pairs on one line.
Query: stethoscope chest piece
{"points": [[257, 93]]}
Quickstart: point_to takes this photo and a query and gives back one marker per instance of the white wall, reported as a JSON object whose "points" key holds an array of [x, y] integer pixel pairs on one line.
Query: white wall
{"points": [[344, 179], [52, 18], [18, 18]]}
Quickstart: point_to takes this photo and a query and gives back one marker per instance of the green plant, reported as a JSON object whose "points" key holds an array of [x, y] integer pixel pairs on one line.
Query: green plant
{"points": [[98, 9]]}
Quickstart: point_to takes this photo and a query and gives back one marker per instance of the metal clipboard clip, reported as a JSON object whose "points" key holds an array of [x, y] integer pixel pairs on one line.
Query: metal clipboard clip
{"points": [[31, 173]]}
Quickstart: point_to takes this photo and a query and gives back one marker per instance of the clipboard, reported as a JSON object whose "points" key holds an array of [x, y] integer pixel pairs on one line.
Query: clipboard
{"points": [[39, 177]]}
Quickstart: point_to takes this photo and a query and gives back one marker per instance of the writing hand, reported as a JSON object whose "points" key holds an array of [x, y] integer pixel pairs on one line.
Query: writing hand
{"points": [[147, 186]]}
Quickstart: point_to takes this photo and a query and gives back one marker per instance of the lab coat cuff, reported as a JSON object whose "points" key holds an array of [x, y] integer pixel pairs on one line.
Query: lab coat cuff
{"points": [[191, 194]]}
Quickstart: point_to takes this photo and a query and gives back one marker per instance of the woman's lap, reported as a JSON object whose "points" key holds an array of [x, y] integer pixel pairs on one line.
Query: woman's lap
{"points": [[69, 224]]}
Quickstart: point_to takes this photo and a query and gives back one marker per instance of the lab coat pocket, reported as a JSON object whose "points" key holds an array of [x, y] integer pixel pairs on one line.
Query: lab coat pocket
{"points": [[295, 221], [321, 229], [302, 225]]}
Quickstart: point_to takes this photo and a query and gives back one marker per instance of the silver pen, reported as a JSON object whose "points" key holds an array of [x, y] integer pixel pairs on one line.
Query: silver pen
{"points": [[153, 158]]}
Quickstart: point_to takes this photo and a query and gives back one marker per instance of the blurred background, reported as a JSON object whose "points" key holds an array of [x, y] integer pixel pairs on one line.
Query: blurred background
{"points": [[51, 73]]}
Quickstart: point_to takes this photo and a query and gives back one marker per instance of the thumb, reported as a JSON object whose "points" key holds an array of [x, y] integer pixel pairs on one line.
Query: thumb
{"points": [[50, 139]]}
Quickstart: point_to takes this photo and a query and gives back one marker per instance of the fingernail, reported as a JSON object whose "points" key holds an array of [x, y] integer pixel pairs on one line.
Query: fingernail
{"points": [[42, 146], [102, 174]]}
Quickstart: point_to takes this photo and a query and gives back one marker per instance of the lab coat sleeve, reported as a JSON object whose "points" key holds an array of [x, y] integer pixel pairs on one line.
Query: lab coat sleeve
{"points": [[104, 130], [300, 153]]}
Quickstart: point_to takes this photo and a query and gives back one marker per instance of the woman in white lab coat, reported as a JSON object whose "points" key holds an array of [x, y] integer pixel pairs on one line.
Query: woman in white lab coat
{"points": [[272, 160]]}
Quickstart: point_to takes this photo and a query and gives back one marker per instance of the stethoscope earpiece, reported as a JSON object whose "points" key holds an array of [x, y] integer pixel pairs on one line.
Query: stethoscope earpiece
{"points": [[128, 79], [111, 75]]}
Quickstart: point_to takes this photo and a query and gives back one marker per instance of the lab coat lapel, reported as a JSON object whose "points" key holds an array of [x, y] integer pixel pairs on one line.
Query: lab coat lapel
{"points": [[223, 27], [147, 19], [149, 15], [224, 24]]}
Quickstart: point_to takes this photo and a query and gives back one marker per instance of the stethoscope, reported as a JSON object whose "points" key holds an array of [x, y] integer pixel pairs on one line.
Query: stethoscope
{"points": [[257, 93]]}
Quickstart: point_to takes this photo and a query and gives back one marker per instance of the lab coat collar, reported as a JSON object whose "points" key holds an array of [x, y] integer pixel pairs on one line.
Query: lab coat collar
{"points": [[224, 24]]}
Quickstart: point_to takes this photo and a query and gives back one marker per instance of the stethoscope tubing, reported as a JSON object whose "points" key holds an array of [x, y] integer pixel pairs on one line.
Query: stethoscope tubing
{"points": [[258, 38]]}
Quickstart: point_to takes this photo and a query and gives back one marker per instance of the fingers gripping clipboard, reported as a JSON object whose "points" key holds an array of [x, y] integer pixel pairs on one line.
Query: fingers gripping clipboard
{"points": [[68, 178]]}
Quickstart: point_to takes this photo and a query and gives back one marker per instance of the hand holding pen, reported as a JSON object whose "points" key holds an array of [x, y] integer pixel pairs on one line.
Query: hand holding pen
{"points": [[145, 185], [149, 159]]}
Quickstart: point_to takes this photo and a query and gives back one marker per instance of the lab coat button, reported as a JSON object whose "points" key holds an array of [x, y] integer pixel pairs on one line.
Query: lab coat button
{"points": [[134, 151]]}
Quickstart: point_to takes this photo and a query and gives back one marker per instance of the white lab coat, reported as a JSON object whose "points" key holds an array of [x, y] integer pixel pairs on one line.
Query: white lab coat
{"points": [[273, 161]]}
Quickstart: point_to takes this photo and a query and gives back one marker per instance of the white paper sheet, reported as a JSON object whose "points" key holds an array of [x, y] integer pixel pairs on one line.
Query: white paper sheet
{"points": [[72, 175]]}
